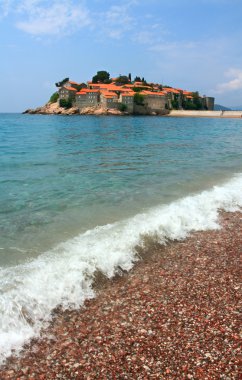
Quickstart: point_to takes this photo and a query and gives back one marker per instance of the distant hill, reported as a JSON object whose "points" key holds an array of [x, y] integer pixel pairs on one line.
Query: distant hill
{"points": [[218, 107], [237, 108]]}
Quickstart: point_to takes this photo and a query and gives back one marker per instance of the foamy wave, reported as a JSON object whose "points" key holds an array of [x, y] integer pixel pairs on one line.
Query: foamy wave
{"points": [[64, 276]]}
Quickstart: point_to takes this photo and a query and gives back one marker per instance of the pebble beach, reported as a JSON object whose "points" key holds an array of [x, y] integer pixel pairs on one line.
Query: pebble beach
{"points": [[175, 315]]}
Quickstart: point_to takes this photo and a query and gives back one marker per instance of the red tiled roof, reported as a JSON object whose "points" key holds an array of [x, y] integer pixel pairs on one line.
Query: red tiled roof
{"points": [[124, 90], [90, 90], [173, 90], [152, 93], [96, 84], [128, 94], [109, 94], [71, 88], [187, 92], [102, 86], [71, 82], [87, 90]]}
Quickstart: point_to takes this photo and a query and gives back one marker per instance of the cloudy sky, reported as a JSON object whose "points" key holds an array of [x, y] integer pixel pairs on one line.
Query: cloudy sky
{"points": [[195, 45]]}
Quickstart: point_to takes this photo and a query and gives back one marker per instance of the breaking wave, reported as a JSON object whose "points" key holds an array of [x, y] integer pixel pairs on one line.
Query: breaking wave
{"points": [[64, 275]]}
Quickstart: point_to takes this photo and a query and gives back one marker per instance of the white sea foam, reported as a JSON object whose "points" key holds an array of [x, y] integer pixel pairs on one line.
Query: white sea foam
{"points": [[64, 276]]}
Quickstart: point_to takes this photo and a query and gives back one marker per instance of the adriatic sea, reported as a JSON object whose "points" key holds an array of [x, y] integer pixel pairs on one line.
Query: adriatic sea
{"points": [[79, 193]]}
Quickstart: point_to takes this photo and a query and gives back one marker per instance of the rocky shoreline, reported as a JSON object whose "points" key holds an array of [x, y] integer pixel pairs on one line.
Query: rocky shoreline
{"points": [[174, 316], [55, 109]]}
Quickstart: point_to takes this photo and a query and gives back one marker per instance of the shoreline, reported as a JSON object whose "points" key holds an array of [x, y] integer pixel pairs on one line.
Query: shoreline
{"points": [[173, 316], [208, 114], [55, 109]]}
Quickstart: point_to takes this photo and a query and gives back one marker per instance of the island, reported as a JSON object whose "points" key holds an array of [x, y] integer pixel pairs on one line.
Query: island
{"points": [[120, 96]]}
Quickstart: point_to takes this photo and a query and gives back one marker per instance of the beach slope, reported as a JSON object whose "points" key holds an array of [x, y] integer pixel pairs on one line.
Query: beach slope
{"points": [[174, 316]]}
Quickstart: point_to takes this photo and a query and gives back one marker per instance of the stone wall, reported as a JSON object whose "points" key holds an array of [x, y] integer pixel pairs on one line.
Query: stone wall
{"points": [[155, 103], [144, 110], [209, 102], [128, 101], [86, 100]]}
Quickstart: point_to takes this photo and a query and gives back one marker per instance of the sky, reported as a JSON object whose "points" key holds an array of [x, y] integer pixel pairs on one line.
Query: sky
{"points": [[194, 45]]}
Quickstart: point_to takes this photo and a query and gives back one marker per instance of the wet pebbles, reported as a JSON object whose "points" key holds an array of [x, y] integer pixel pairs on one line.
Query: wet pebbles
{"points": [[174, 316]]}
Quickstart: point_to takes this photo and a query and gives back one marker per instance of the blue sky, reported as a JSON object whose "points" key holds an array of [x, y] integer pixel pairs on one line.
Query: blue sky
{"points": [[194, 45]]}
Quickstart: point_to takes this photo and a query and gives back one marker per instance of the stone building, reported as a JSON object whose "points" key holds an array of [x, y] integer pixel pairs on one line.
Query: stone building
{"points": [[87, 98], [67, 93], [172, 95], [154, 101], [157, 99], [109, 99], [71, 83], [128, 100], [208, 103]]}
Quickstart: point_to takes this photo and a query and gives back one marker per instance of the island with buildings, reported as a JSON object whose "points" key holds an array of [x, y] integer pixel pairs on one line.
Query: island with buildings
{"points": [[121, 96]]}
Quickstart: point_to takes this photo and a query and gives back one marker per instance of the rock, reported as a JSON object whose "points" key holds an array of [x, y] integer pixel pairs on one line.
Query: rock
{"points": [[55, 109], [100, 111], [52, 109], [113, 111]]}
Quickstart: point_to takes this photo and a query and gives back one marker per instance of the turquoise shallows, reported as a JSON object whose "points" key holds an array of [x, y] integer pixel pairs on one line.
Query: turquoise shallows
{"points": [[63, 175]]}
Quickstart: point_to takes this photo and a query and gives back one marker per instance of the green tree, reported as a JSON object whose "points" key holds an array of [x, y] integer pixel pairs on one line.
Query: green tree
{"points": [[137, 79], [138, 99], [54, 97], [122, 107], [101, 77], [65, 103], [187, 104], [79, 87], [122, 79], [197, 100], [175, 103], [143, 88], [61, 83]]}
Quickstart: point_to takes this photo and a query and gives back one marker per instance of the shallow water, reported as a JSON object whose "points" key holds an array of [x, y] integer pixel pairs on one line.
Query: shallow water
{"points": [[77, 194]]}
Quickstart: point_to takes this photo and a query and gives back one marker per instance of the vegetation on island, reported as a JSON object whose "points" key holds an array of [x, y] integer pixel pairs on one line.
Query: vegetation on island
{"points": [[101, 77], [192, 104], [122, 79], [65, 103], [122, 107], [138, 99], [61, 83], [54, 97]]}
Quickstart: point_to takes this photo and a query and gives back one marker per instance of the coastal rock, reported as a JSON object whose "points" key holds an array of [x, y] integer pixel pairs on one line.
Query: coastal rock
{"points": [[100, 111], [55, 109], [113, 111], [88, 110], [52, 109]]}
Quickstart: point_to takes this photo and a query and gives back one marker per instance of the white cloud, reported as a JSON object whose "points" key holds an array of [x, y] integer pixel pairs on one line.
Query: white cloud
{"points": [[64, 17], [234, 84], [151, 34], [116, 21], [5, 6], [55, 19]]}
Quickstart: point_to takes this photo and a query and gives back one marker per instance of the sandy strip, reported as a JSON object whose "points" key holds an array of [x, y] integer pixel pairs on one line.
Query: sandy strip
{"points": [[174, 316]]}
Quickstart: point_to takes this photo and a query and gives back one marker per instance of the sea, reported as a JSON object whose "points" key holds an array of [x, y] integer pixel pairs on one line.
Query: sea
{"points": [[79, 194]]}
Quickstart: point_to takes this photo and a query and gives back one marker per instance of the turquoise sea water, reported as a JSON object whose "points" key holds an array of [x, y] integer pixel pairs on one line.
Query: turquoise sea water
{"points": [[78, 193]]}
